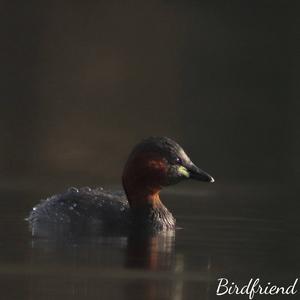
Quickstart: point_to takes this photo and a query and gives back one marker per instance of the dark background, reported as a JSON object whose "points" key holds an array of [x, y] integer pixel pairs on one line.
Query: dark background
{"points": [[83, 81]]}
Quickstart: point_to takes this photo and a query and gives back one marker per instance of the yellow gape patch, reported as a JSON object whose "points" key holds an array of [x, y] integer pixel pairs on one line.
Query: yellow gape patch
{"points": [[183, 171]]}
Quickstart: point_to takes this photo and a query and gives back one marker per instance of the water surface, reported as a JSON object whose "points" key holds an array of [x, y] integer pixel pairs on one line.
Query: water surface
{"points": [[233, 231]]}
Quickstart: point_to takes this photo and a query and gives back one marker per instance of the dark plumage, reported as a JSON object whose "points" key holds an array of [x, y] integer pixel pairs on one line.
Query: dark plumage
{"points": [[152, 164]]}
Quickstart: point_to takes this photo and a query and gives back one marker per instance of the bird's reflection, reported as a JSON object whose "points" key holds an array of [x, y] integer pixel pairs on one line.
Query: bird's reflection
{"points": [[137, 266], [155, 254], [151, 251]]}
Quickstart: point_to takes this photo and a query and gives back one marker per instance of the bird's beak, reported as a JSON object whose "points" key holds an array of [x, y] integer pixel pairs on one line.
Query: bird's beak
{"points": [[198, 174]]}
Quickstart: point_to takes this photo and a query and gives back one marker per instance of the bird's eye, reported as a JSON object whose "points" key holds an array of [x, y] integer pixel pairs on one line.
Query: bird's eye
{"points": [[178, 160]]}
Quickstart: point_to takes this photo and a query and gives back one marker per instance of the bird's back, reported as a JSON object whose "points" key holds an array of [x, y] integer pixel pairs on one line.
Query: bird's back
{"points": [[81, 210]]}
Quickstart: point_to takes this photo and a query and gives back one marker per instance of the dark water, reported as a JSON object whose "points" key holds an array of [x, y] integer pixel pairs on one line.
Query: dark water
{"points": [[83, 82], [233, 231]]}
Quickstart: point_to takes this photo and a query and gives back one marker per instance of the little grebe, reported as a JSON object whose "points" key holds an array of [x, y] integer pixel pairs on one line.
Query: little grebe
{"points": [[153, 163]]}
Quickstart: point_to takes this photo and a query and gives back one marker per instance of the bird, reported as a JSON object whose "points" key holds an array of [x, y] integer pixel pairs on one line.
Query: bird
{"points": [[154, 163]]}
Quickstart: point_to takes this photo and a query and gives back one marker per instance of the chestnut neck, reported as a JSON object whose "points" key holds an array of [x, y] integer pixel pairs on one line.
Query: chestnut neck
{"points": [[139, 194], [142, 177], [143, 196]]}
